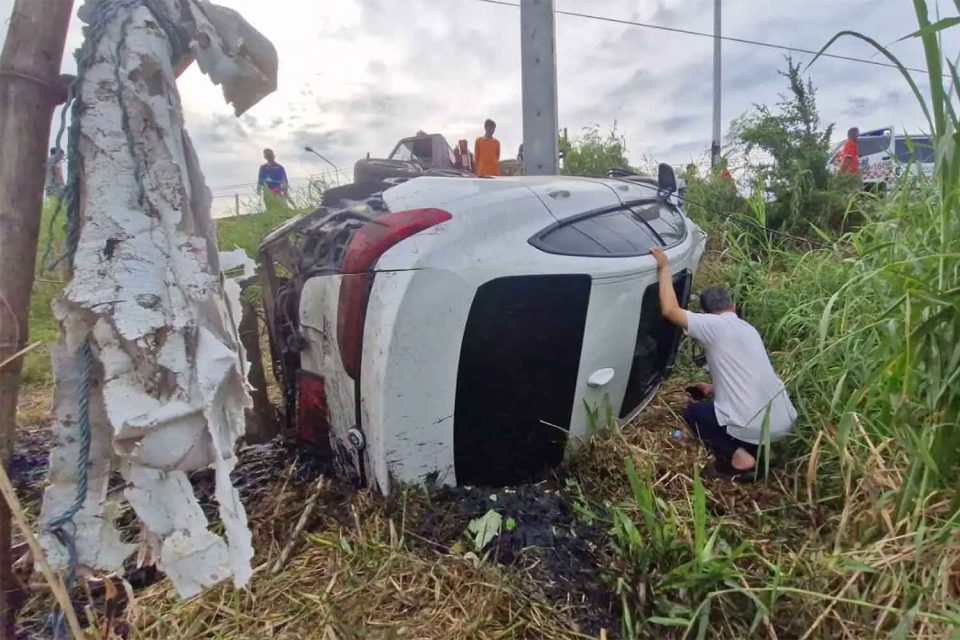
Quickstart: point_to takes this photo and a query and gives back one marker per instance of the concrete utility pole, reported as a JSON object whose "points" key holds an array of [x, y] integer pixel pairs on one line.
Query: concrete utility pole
{"points": [[715, 146], [538, 54], [30, 89]]}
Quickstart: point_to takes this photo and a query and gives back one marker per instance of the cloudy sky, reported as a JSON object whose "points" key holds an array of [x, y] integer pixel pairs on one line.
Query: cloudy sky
{"points": [[357, 75]]}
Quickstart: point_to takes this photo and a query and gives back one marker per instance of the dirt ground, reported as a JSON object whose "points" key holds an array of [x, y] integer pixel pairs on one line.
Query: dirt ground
{"points": [[403, 567]]}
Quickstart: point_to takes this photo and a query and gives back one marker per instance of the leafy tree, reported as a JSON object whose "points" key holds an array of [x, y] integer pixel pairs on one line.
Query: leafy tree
{"points": [[593, 152], [794, 150]]}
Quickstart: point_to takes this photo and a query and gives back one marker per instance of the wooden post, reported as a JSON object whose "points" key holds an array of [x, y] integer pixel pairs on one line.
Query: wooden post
{"points": [[236, 202], [30, 90], [262, 420]]}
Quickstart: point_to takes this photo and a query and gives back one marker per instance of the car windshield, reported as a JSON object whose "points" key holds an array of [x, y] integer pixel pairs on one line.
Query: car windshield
{"points": [[416, 150], [870, 144]]}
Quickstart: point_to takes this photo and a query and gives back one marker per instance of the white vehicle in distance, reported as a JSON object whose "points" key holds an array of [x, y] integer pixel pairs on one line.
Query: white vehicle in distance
{"points": [[453, 331], [886, 157]]}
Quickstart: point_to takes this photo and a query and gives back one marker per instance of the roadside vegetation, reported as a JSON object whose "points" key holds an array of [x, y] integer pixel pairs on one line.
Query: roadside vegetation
{"points": [[858, 298]]}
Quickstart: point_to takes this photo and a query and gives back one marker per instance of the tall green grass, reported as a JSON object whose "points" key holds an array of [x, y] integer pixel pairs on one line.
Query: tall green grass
{"points": [[897, 317], [865, 331], [867, 335]]}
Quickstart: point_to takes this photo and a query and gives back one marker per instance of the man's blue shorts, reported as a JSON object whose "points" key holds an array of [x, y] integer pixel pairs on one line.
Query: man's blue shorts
{"points": [[701, 417]]}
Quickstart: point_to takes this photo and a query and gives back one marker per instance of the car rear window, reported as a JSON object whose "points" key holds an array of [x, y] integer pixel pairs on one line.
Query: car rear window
{"points": [[630, 231], [665, 220], [922, 151]]}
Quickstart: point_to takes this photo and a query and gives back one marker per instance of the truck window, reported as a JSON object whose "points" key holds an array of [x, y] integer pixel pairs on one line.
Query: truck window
{"points": [[420, 150], [403, 152]]}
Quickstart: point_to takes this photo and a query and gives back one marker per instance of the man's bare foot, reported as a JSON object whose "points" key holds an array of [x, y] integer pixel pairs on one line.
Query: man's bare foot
{"points": [[742, 460]]}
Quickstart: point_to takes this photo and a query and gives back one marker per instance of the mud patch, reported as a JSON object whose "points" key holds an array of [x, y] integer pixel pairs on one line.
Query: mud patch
{"points": [[259, 469], [559, 554]]}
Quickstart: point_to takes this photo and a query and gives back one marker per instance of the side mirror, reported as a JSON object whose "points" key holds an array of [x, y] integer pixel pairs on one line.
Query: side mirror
{"points": [[666, 179]]}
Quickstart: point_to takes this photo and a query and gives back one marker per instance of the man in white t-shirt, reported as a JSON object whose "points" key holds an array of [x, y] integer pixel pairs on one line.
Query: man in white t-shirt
{"points": [[750, 404]]}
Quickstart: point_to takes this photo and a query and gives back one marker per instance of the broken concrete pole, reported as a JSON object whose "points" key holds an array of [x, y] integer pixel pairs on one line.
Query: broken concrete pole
{"points": [[169, 378]]}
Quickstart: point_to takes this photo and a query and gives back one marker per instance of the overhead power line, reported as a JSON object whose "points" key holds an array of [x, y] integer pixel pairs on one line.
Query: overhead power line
{"points": [[704, 34]]}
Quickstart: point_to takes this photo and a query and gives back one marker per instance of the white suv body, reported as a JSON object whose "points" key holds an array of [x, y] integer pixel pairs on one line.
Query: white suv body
{"points": [[462, 331]]}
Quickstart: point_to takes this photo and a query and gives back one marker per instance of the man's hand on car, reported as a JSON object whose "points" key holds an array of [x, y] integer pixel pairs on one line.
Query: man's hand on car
{"points": [[662, 261]]}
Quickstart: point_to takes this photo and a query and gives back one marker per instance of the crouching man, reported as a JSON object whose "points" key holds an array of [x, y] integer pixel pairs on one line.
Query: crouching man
{"points": [[749, 401]]}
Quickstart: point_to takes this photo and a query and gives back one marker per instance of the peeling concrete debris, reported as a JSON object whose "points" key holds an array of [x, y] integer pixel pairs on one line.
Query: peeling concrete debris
{"points": [[169, 387]]}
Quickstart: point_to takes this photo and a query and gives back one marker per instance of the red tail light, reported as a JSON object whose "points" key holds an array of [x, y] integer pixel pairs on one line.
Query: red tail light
{"points": [[313, 416], [365, 248]]}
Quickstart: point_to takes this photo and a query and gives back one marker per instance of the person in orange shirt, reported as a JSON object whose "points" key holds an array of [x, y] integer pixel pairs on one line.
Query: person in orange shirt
{"points": [[486, 151], [849, 155]]}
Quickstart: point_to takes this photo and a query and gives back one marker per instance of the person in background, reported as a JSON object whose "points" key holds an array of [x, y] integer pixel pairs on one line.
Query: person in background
{"points": [[54, 182], [486, 151], [848, 158], [272, 181], [749, 403]]}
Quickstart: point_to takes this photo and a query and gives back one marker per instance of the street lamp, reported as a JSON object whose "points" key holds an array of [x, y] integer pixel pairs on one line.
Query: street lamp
{"points": [[336, 169]]}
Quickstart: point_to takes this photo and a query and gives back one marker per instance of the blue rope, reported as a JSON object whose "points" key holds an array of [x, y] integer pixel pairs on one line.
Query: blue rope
{"points": [[62, 527]]}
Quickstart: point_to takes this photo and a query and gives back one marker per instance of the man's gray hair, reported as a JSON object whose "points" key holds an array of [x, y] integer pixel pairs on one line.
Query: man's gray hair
{"points": [[714, 299]]}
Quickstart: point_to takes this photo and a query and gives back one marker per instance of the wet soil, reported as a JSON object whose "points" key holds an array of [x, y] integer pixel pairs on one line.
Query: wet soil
{"points": [[553, 553], [28, 466], [559, 554]]}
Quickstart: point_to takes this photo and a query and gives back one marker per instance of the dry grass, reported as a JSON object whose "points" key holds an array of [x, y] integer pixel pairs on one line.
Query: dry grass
{"points": [[366, 568], [359, 573]]}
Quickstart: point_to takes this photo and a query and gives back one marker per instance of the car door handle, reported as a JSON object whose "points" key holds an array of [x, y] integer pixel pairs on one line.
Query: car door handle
{"points": [[600, 378]]}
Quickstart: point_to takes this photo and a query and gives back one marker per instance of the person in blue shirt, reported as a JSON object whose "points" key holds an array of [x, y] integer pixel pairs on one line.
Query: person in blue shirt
{"points": [[273, 177]]}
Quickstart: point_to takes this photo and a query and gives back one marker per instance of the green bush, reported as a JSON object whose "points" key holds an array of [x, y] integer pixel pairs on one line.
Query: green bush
{"points": [[594, 152], [793, 149]]}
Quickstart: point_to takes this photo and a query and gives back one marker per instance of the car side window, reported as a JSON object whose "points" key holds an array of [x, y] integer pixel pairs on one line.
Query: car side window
{"points": [[922, 151], [665, 220], [612, 233]]}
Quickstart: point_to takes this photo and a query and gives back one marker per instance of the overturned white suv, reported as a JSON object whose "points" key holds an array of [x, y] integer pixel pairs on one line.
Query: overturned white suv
{"points": [[455, 330]]}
